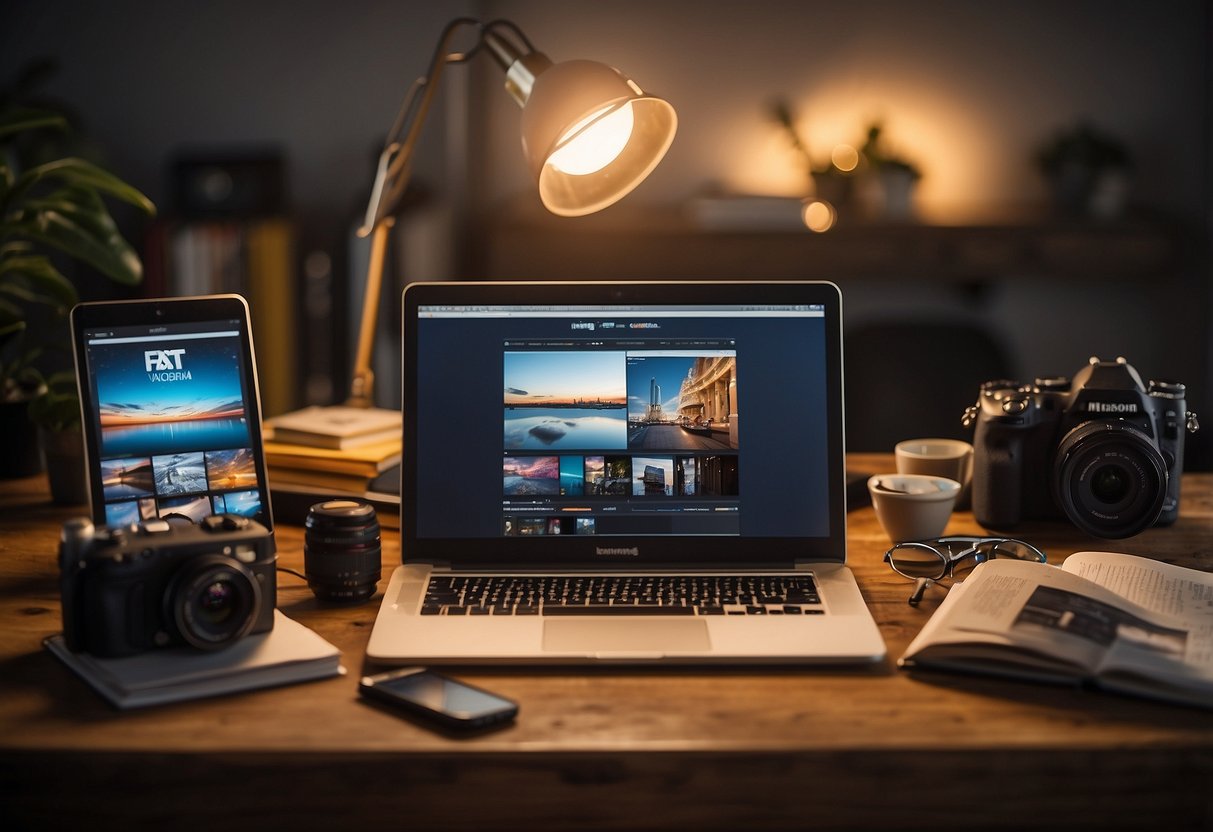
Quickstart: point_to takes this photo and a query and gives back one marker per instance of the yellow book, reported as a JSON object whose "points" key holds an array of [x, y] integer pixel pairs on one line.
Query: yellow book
{"points": [[367, 460], [271, 292]]}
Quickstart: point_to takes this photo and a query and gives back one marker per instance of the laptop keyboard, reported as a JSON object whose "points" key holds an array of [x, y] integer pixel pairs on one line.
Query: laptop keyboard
{"points": [[622, 595]]}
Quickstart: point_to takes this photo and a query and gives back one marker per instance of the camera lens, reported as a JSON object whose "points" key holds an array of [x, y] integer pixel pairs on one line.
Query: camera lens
{"points": [[341, 550], [1110, 484], [216, 603], [1110, 479], [213, 601]]}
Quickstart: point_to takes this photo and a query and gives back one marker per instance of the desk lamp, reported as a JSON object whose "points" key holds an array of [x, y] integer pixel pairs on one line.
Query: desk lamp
{"points": [[589, 134]]}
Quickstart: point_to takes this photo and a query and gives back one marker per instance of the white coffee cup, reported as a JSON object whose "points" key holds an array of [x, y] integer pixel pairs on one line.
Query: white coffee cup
{"points": [[949, 458], [912, 506]]}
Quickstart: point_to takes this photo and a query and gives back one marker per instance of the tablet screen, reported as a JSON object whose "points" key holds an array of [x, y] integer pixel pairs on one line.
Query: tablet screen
{"points": [[172, 429]]}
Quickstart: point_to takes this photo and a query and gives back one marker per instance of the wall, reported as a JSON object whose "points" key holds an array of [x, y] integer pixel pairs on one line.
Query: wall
{"points": [[320, 79], [966, 89]]}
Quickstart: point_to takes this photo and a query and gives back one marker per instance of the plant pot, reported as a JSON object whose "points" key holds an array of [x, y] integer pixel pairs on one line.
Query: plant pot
{"points": [[22, 455], [64, 452]]}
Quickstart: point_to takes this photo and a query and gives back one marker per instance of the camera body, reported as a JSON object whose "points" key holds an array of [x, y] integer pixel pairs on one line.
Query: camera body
{"points": [[158, 583], [1101, 449]]}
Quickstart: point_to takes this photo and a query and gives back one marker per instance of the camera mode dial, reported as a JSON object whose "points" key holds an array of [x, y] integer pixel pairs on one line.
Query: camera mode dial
{"points": [[1051, 384], [1167, 389]]}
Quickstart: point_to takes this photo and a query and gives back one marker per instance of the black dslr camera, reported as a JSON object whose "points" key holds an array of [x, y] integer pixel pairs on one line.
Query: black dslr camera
{"points": [[1102, 449], [160, 584]]}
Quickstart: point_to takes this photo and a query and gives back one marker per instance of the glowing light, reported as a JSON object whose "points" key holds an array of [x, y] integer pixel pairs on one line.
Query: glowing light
{"points": [[594, 142], [818, 215], [844, 157]]}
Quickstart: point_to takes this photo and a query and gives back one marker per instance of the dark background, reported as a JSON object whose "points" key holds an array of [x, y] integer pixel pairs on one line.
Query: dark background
{"points": [[969, 91]]}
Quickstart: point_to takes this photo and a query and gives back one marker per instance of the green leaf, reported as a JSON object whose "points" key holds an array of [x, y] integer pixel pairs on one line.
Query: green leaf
{"points": [[11, 312], [56, 410], [20, 120], [58, 407], [10, 329], [83, 206], [43, 278], [14, 247], [79, 173], [62, 378], [112, 256]]}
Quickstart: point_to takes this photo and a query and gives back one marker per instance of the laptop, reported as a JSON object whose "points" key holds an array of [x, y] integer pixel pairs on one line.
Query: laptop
{"points": [[634, 472]]}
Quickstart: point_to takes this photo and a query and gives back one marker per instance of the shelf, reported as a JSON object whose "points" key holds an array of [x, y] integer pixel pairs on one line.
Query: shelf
{"points": [[669, 247]]}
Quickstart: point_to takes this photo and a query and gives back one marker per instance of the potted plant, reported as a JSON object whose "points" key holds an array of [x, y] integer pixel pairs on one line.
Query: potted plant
{"points": [[1087, 171], [830, 183], [893, 178], [50, 211]]}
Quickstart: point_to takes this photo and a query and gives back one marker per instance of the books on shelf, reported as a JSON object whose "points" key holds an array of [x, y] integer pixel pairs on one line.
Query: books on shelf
{"points": [[287, 654], [253, 256], [337, 427], [1113, 621]]}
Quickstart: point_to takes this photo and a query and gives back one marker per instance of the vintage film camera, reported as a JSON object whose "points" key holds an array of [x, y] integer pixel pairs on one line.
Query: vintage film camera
{"points": [[160, 584], [1102, 449]]}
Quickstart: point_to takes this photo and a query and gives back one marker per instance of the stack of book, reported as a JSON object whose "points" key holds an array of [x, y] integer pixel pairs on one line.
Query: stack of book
{"points": [[322, 452]]}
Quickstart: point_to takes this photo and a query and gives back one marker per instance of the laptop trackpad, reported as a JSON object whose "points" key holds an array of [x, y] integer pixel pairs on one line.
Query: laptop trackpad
{"points": [[629, 636]]}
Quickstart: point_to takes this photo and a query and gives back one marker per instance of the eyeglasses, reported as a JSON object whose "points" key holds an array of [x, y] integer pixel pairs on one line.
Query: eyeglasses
{"points": [[926, 562]]}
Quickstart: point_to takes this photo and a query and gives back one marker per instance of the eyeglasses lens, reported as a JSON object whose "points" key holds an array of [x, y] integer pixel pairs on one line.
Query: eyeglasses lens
{"points": [[917, 560]]}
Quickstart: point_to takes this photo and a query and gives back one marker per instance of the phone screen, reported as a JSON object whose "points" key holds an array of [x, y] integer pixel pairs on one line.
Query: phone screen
{"points": [[172, 416], [446, 696]]}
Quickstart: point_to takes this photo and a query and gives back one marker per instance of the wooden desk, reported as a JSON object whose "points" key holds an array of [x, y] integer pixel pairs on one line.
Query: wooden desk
{"points": [[600, 748]]}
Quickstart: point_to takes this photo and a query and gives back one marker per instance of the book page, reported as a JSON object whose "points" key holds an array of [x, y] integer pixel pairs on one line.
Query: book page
{"points": [[1042, 609], [986, 610], [1185, 594]]}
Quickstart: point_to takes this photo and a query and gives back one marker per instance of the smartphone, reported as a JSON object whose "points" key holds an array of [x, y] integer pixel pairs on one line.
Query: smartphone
{"points": [[445, 701], [171, 411]]}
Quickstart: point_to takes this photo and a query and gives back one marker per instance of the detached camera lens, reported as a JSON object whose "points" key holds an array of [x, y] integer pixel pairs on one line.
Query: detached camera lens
{"points": [[213, 601], [1110, 479], [341, 550]]}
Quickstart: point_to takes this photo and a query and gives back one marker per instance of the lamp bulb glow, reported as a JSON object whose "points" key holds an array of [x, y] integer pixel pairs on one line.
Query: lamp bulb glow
{"points": [[594, 142]]}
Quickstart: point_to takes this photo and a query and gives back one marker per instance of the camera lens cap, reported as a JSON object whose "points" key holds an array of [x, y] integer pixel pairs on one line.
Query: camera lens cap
{"points": [[344, 508]]}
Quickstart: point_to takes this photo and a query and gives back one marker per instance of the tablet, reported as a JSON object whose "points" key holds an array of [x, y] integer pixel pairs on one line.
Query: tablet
{"points": [[171, 410]]}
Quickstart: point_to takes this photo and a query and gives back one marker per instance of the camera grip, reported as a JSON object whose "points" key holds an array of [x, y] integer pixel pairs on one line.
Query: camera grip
{"points": [[997, 486]]}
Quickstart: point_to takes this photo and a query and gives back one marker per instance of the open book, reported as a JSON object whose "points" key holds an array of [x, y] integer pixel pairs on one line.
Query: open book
{"points": [[1115, 621]]}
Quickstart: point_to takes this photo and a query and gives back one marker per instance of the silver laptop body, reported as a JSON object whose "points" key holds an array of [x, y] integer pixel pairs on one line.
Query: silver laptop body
{"points": [[571, 450]]}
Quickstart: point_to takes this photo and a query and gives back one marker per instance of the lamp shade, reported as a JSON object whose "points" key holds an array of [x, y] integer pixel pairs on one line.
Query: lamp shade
{"points": [[591, 135]]}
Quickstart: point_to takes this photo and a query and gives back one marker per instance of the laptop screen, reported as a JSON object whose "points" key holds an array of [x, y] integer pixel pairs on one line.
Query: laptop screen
{"points": [[663, 422]]}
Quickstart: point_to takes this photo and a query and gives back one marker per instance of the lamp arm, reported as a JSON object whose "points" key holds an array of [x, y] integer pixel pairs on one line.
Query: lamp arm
{"points": [[519, 58], [391, 179], [397, 158], [395, 161]]}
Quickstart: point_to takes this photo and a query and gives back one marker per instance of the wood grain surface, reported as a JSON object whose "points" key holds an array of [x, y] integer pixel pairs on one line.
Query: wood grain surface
{"points": [[601, 748]]}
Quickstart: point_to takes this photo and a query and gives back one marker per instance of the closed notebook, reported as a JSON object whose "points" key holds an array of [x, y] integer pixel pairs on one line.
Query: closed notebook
{"points": [[288, 653]]}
